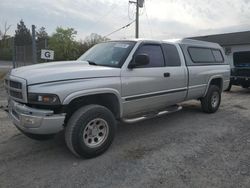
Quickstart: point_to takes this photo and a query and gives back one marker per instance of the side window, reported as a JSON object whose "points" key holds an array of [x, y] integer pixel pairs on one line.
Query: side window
{"points": [[218, 56], [201, 55], [154, 52], [172, 57]]}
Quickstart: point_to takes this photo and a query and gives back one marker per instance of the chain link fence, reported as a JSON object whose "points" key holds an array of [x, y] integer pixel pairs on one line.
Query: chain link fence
{"points": [[23, 54]]}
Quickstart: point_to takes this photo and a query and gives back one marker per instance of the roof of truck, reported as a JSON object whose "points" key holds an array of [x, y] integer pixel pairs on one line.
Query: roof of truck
{"points": [[185, 41], [193, 42]]}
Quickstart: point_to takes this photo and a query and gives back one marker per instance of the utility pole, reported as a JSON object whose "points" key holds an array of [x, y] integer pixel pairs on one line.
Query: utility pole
{"points": [[46, 46], [137, 21], [34, 55], [139, 4], [13, 52]]}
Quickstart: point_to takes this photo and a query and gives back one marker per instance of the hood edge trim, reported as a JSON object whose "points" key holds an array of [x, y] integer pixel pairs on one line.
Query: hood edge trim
{"points": [[70, 80]]}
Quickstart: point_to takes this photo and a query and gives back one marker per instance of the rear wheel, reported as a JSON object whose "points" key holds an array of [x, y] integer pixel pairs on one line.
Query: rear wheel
{"points": [[90, 131], [211, 102]]}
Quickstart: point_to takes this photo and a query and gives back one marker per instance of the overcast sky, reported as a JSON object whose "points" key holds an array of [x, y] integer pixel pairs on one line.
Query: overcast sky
{"points": [[160, 19]]}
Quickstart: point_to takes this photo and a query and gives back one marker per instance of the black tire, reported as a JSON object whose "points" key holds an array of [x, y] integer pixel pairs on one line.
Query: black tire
{"points": [[80, 121], [208, 103], [40, 137], [229, 87]]}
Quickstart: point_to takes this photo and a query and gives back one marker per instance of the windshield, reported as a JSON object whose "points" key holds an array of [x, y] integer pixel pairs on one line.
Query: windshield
{"points": [[242, 59], [112, 54]]}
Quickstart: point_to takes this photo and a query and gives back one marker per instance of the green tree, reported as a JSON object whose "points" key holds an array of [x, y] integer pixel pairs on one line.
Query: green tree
{"points": [[22, 35], [64, 44], [41, 34]]}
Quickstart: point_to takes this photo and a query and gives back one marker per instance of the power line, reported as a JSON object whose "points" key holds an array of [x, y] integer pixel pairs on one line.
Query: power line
{"points": [[148, 20], [123, 27], [113, 6]]}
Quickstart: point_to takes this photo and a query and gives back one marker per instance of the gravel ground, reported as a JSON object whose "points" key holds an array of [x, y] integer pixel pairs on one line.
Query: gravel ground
{"points": [[185, 149]]}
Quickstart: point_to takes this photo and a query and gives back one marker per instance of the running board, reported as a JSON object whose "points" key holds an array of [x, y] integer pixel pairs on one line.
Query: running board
{"points": [[169, 110]]}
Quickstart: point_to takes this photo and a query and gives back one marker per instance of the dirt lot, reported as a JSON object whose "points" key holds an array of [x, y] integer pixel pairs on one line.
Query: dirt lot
{"points": [[184, 149]]}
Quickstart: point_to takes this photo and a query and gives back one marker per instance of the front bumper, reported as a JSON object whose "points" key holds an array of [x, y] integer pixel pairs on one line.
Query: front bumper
{"points": [[35, 121], [240, 80]]}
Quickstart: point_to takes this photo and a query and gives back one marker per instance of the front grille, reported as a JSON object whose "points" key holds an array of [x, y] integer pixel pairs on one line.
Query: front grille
{"points": [[242, 72], [16, 85], [14, 89]]}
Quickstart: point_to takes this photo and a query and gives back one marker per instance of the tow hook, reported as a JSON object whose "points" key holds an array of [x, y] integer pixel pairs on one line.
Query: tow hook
{"points": [[4, 108]]}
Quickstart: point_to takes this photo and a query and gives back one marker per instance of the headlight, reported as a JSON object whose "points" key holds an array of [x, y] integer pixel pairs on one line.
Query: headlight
{"points": [[43, 98]]}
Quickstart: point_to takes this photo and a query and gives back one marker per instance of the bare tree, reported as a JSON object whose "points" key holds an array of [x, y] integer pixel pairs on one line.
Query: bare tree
{"points": [[3, 33]]}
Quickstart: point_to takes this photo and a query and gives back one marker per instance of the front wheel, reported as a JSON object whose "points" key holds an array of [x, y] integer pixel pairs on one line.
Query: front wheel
{"points": [[211, 102], [90, 131]]}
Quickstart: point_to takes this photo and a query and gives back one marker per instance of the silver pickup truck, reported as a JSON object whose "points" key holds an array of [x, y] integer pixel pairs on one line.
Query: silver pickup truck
{"points": [[124, 80]]}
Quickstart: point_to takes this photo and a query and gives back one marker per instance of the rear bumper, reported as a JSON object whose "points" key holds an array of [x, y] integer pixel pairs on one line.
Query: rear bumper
{"points": [[35, 121]]}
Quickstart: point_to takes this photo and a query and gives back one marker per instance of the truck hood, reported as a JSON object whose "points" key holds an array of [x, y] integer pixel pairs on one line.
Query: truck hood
{"points": [[64, 70]]}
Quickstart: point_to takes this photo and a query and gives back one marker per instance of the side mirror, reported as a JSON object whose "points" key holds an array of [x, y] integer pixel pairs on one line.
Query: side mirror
{"points": [[139, 60]]}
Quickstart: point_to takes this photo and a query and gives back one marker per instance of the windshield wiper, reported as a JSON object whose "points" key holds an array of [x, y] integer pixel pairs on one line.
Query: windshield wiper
{"points": [[91, 62]]}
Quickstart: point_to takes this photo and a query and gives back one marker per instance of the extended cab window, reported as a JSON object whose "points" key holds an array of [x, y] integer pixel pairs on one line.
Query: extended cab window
{"points": [[155, 54], [172, 57], [218, 56], [205, 55]]}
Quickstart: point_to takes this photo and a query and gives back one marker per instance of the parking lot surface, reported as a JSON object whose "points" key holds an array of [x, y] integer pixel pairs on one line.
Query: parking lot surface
{"points": [[184, 149]]}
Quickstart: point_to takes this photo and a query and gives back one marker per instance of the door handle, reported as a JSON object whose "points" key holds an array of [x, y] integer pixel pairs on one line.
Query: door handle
{"points": [[166, 74]]}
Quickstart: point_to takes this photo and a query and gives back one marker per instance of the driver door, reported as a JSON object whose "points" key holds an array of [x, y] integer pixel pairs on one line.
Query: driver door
{"points": [[149, 88]]}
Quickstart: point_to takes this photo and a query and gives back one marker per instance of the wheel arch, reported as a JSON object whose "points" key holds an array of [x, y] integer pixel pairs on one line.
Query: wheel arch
{"points": [[215, 80], [109, 98]]}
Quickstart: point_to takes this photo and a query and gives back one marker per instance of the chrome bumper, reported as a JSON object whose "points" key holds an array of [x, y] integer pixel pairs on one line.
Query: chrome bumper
{"points": [[33, 120]]}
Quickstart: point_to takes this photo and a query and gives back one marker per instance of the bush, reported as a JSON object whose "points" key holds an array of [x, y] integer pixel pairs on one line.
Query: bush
{"points": [[6, 54]]}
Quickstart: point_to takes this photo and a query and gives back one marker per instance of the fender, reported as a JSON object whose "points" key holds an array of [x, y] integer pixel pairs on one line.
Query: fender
{"points": [[89, 92], [209, 82]]}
